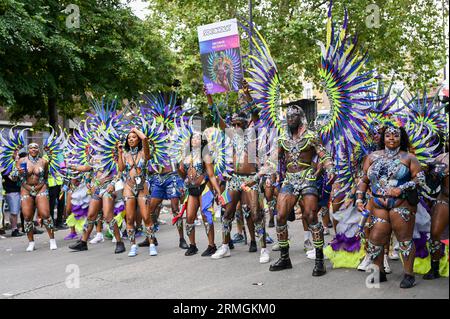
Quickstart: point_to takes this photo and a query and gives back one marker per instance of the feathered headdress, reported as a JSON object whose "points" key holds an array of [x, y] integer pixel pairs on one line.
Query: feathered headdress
{"points": [[264, 81], [347, 86], [154, 105], [218, 142], [79, 146], [54, 147], [157, 139], [9, 146], [425, 127]]}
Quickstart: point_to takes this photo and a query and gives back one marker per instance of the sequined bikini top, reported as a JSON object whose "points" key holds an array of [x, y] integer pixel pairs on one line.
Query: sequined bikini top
{"points": [[387, 172], [197, 166], [141, 164], [40, 174]]}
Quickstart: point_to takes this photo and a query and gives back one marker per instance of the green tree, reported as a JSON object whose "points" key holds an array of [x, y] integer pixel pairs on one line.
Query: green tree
{"points": [[406, 45], [45, 63]]}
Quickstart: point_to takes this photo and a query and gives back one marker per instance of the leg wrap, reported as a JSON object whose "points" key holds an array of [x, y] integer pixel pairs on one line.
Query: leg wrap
{"points": [[260, 231], [207, 228], [189, 228], [48, 223], [282, 231], [272, 204], [317, 234], [87, 223], [179, 222], [405, 247], [149, 232], [284, 249], [99, 216], [239, 218], [373, 250], [435, 246], [246, 211], [324, 211], [131, 234], [403, 212], [112, 223], [375, 220], [28, 226], [226, 226]]}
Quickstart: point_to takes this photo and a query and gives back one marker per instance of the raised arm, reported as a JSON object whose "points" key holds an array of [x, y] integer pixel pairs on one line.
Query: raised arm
{"points": [[144, 140], [214, 110], [120, 155]]}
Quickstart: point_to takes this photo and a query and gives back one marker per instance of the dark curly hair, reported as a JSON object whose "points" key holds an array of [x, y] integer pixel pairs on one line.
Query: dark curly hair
{"points": [[127, 146], [404, 139]]}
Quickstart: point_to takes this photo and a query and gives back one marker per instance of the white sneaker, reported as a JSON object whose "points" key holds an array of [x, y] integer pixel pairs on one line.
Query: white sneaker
{"points": [[162, 221], [276, 247], [53, 244], [30, 246], [264, 257], [394, 255], [311, 254], [98, 239], [387, 269], [364, 263], [133, 251], [223, 251], [198, 222], [152, 250]]}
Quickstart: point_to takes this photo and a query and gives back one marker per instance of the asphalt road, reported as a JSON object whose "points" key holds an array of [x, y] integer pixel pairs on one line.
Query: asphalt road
{"points": [[102, 274]]}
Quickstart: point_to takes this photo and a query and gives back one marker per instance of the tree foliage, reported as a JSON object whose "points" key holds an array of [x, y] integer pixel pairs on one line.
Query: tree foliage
{"points": [[406, 45], [45, 62]]}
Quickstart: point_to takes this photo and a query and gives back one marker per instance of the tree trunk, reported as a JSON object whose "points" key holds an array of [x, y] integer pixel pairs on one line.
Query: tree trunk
{"points": [[52, 112]]}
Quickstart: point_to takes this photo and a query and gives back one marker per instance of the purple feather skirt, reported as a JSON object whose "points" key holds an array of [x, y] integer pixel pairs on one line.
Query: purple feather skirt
{"points": [[341, 242]]}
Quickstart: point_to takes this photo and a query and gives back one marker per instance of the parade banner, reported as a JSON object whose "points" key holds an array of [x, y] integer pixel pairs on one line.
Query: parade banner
{"points": [[221, 57]]}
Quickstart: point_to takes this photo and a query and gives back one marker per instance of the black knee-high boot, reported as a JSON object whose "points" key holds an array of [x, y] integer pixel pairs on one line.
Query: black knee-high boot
{"points": [[434, 271]]}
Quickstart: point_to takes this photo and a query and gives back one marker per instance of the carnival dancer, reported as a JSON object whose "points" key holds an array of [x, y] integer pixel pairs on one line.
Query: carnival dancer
{"points": [[197, 167], [439, 219], [164, 179], [298, 149], [78, 198], [426, 128], [132, 163], [393, 175], [243, 184], [105, 128], [32, 172]]}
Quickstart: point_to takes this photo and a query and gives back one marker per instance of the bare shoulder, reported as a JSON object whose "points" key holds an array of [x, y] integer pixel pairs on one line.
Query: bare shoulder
{"points": [[410, 157]]}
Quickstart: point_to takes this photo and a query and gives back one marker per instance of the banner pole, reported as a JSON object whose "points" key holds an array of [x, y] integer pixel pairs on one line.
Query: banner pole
{"points": [[250, 9]]}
